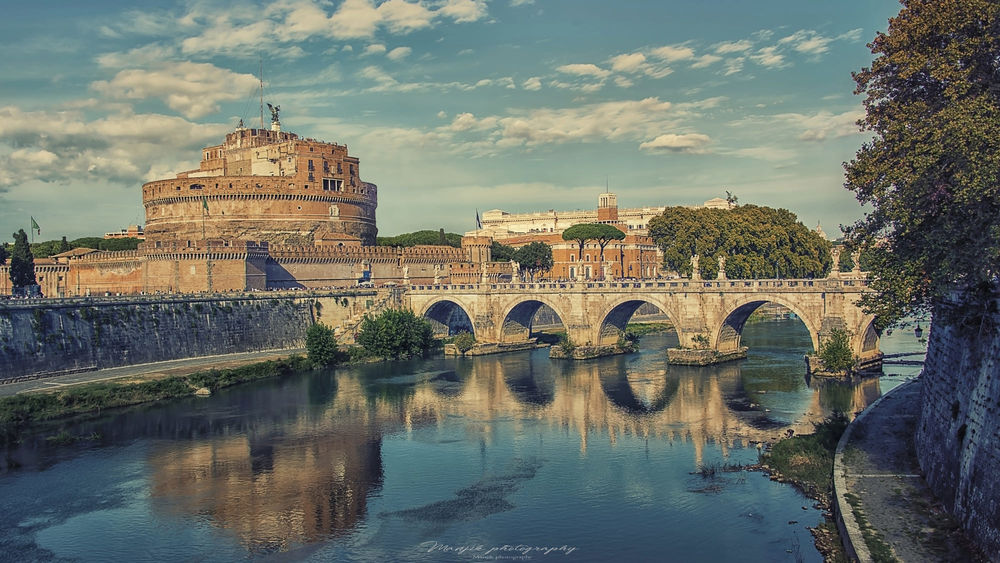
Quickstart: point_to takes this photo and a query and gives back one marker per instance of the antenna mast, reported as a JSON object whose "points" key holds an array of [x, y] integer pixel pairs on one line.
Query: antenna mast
{"points": [[261, 92]]}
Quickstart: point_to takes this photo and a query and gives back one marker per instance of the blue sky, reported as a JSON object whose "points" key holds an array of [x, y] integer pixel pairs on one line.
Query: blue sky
{"points": [[451, 105]]}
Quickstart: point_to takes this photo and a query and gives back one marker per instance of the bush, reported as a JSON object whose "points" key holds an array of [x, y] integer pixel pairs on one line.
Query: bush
{"points": [[396, 334], [464, 341], [321, 346], [835, 351]]}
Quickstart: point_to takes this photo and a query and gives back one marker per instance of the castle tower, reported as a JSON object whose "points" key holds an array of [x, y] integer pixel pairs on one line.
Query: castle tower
{"points": [[607, 208], [263, 185], [478, 249]]}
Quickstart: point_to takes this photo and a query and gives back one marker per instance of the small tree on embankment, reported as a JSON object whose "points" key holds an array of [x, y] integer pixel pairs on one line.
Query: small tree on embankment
{"points": [[321, 345], [395, 334]]}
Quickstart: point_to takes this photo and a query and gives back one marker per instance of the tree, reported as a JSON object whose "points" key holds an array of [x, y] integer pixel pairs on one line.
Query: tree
{"points": [[63, 246], [395, 334], [3, 252], [22, 263], [835, 351], [422, 237], [581, 234], [501, 252], [534, 258], [758, 242], [321, 345], [605, 234], [931, 173]]}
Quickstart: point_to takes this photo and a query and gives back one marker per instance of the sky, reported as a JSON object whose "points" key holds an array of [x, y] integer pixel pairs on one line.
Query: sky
{"points": [[452, 106]]}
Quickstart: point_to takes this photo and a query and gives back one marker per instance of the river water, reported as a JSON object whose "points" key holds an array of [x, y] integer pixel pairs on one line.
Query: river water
{"points": [[513, 457]]}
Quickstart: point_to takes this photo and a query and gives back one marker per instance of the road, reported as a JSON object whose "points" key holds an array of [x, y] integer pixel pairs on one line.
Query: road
{"points": [[147, 371]]}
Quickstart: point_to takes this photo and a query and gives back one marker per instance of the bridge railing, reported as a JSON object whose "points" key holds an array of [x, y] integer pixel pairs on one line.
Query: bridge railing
{"points": [[669, 285]]}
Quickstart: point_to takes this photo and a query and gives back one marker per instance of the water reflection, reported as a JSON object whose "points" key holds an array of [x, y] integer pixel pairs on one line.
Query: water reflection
{"points": [[298, 461]]}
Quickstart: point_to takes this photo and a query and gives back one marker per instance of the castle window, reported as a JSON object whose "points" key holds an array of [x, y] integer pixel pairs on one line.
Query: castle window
{"points": [[311, 177], [311, 166], [195, 186], [340, 168], [332, 184]]}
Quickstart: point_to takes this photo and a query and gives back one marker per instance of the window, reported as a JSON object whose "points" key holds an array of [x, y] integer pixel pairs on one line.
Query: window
{"points": [[332, 184], [311, 166], [340, 168]]}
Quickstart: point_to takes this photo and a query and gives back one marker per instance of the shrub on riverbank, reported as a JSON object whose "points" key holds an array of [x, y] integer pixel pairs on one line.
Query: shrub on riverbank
{"points": [[396, 334], [20, 411]]}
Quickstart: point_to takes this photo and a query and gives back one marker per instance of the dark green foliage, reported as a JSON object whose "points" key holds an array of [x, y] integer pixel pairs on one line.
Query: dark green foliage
{"points": [[321, 346], [464, 341], [931, 173], [422, 237], [835, 351], [3, 253], [501, 252], [395, 334], [22, 263], [534, 258], [47, 248], [758, 242], [600, 233]]}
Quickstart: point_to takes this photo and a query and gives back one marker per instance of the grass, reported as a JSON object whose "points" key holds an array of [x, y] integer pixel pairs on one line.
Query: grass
{"points": [[807, 462], [880, 551], [648, 328], [19, 412]]}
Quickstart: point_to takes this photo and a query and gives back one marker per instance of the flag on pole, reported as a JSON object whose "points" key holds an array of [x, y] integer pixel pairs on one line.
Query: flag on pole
{"points": [[35, 226], [479, 224], [204, 203]]}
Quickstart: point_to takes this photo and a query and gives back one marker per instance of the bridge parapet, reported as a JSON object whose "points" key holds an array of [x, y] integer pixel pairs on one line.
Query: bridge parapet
{"points": [[707, 314]]}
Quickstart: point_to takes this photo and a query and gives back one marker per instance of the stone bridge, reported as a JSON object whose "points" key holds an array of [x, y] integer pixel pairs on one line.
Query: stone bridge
{"points": [[707, 314]]}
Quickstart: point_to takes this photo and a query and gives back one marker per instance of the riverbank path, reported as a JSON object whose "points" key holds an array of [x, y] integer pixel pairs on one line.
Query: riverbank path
{"points": [[147, 371], [877, 477]]}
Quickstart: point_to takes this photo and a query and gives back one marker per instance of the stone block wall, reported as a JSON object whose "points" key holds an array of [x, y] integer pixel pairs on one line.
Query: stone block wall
{"points": [[51, 337], [958, 435]]}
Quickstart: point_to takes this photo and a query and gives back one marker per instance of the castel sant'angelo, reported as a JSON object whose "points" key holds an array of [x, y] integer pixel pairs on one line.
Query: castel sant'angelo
{"points": [[266, 209]]}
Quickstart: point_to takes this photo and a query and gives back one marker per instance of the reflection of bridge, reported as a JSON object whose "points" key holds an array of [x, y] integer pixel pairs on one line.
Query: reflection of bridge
{"points": [[706, 314]]}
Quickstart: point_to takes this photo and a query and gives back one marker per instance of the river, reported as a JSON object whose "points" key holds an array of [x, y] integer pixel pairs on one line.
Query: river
{"points": [[513, 457]]}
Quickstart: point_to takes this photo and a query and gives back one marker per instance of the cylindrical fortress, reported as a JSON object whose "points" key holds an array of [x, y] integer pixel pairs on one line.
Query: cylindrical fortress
{"points": [[264, 185]]}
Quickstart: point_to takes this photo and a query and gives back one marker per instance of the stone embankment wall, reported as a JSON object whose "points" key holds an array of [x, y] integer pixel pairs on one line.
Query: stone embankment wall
{"points": [[958, 435], [50, 337]]}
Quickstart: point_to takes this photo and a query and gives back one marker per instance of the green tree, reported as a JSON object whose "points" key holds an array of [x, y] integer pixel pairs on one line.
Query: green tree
{"points": [[600, 232], [931, 173], [395, 334], [63, 246], [321, 345], [758, 242], [534, 258], [3, 252], [22, 263], [501, 252], [836, 352], [422, 237], [464, 341]]}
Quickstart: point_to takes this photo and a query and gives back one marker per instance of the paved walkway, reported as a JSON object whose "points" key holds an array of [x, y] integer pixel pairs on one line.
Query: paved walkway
{"points": [[148, 371], [876, 471]]}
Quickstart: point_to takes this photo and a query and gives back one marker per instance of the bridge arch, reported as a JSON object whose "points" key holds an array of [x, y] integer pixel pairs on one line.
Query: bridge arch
{"points": [[866, 337], [448, 316], [729, 334], [517, 318], [615, 319]]}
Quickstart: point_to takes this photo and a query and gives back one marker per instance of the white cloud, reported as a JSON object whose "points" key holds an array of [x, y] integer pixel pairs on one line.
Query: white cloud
{"points": [[628, 63], [124, 148], [399, 53], [823, 125], [687, 143], [463, 11], [732, 66], [584, 69], [768, 57], [671, 53], [705, 61], [400, 16], [373, 49], [623, 82], [516, 3], [354, 19], [533, 83], [807, 41], [468, 122], [192, 89], [733, 47], [770, 154]]}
